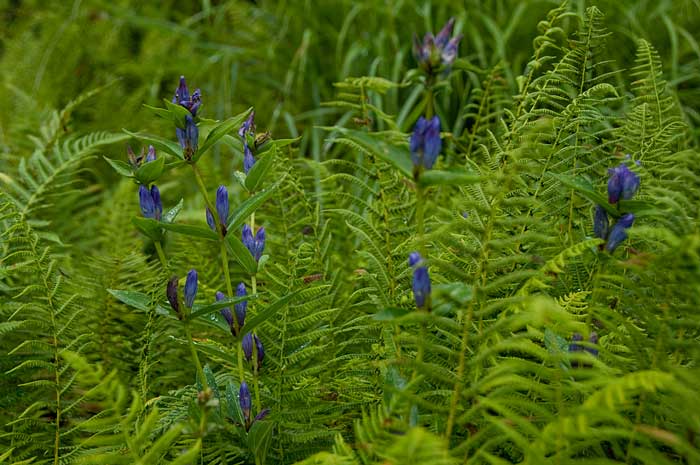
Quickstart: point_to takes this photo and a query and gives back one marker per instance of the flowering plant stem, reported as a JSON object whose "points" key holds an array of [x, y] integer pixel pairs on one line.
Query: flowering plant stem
{"points": [[253, 286], [161, 255], [195, 357]]}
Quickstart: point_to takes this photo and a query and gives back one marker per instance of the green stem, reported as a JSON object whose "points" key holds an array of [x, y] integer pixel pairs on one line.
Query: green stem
{"points": [[227, 276], [460, 374], [195, 357], [161, 255], [240, 362]]}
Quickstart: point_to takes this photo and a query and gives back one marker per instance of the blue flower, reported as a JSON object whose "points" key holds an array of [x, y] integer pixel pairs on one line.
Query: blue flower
{"points": [[421, 281], [260, 349], [247, 345], [190, 288], [244, 401], [618, 233], [425, 142], [150, 202], [182, 97], [439, 52], [171, 293], [593, 340], [241, 307], [623, 183], [222, 207], [188, 137], [247, 127], [575, 346], [225, 312], [248, 159], [151, 155], [600, 223], [256, 245]]}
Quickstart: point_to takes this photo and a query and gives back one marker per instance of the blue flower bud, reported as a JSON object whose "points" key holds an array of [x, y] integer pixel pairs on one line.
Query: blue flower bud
{"points": [[414, 258], [148, 207], [600, 223], [445, 33], [182, 97], [439, 52], [157, 203], [171, 293], [248, 159], [421, 286], [618, 233], [248, 126], [190, 288], [262, 414], [241, 307], [574, 346], [151, 155], [244, 401], [210, 220], [256, 245], [425, 142], [623, 183], [225, 312], [247, 345], [260, 349], [593, 340], [222, 204], [449, 53]]}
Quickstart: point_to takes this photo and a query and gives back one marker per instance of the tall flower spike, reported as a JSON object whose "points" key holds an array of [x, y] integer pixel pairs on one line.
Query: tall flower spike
{"points": [[247, 345], [618, 233], [171, 293], [244, 401], [623, 184], [241, 307], [190, 288], [600, 223], [248, 159], [148, 207], [426, 143]]}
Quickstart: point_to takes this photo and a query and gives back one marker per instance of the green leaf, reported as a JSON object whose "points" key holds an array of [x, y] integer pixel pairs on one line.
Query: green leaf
{"points": [[269, 311], [161, 112], [138, 300], [391, 313], [241, 253], [259, 438], [199, 311], [190, 230], [233, 406], [150, 227], [159, 143], [444, 178], [170, 215], [583, 187], [376, 144], [151, 171], [177, 113], [251, 204], [219, 131], [121, 167], [259, 170]]}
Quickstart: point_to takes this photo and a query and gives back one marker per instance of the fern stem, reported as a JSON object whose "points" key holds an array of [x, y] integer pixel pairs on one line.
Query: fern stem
{"points": [[460, 373], [161, 255], [195, 357]]}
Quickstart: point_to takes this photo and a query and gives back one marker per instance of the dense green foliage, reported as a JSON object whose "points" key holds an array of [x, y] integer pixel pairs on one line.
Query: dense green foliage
{"points": [[543, 99]]}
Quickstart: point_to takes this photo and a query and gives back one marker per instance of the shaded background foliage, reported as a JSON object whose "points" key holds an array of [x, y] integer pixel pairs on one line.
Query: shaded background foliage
{"points": [[515, 247]]}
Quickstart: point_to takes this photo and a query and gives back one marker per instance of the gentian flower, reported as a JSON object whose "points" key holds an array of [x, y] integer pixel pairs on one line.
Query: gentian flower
{"points": [[222, 207], [225, 312], [262, 414], [171, 293], [241, 307], [600, 223], [150, 202], [244, 401], [575, 346], [247, 345], [425, 142], [188, 137], [260, 349], [421, 281], [182, 97], [618, 233], [256, 245], [439, 52], [136, 161], [190, 288], [151, 155], [623, 183], [593, 340], [248, 126], [248, 159]]}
